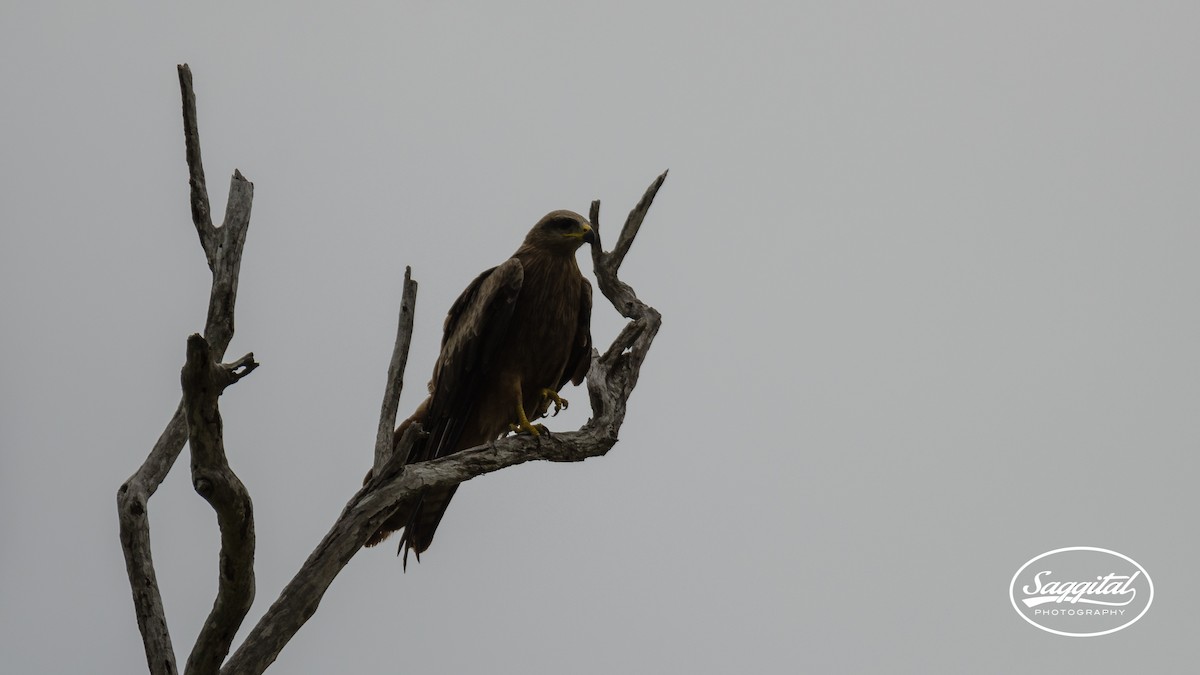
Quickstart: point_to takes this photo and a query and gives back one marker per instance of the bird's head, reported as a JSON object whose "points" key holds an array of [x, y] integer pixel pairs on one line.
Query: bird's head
{"points": [[561, 232]]}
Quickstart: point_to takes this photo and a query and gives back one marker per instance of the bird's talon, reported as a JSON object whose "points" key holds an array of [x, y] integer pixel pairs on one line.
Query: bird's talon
{"points": [[560, 403]]}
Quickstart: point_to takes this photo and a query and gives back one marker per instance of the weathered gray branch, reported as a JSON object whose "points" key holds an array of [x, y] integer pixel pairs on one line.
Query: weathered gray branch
{"points": [[135, 542], [203, 381], [384, 436], [633, 224], [223, 251], [610, 379], [201, 212]]}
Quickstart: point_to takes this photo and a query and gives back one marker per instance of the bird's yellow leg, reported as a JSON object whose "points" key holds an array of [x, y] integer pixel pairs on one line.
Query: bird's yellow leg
{"points": [[525, 425], [548, 395]]}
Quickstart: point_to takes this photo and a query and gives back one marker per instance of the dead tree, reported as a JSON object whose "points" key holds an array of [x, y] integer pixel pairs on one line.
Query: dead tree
{"points": [[610, 380]]}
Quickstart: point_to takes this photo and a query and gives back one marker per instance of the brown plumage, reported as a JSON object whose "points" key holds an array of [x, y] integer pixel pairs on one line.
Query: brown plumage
{"points": [[516, 335]]}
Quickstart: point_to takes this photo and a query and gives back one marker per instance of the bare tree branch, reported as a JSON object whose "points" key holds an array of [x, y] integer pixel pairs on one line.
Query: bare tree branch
{"points": [[223, 251], [203, 382], [201, 212], [385, 434], [231, 239], [633, 223], [135, 542], [610, 379]]}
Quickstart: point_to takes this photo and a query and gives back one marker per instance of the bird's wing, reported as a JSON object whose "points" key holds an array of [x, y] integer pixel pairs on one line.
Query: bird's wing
{"points": [[475, 328], [581, 345]]}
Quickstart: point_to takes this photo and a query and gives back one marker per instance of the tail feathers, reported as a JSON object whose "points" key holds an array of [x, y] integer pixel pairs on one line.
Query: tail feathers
{"points": [[404, 513], [398, 520], [418, 532]]}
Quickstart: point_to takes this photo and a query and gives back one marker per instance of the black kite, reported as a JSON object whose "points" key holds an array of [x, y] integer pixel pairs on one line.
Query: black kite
{"points": [[512, 340]]}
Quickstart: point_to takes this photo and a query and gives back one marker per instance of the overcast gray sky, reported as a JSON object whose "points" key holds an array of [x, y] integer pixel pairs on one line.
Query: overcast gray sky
{"points": [[927, 272]]}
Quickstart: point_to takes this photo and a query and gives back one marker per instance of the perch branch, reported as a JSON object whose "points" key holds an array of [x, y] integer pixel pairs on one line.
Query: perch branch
{"points": [[223, 251], [610, 380], [384, 437]]}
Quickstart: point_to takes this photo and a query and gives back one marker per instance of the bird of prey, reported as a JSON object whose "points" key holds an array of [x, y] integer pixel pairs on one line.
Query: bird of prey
{"points": [[516, 335]]}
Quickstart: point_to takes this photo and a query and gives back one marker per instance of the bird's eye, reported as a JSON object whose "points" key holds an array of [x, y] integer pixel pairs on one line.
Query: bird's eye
{"points": [[562, 224]]}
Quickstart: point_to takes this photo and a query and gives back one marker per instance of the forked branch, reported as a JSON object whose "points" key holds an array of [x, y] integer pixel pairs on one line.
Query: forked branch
{"points": [[223, 251]]}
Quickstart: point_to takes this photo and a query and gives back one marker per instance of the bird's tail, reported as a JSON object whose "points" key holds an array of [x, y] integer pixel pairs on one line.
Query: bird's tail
{"points": [[423, 522], [404, 512], [395, 522]]}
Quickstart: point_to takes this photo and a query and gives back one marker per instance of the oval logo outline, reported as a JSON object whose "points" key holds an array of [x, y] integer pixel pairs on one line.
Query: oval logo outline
{"points": [[1012, 588]]}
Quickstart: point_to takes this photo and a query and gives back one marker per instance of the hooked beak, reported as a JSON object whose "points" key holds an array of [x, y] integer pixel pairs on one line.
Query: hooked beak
{"points": [[585, 233]]}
